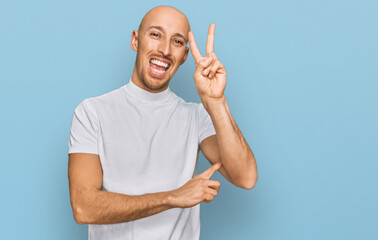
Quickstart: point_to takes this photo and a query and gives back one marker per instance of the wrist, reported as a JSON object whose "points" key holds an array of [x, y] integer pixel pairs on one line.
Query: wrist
{"points": [[169, 199], [213, 104]]}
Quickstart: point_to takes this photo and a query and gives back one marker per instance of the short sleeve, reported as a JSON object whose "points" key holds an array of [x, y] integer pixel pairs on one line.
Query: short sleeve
{"points": [[206, 127], [84, 130]]}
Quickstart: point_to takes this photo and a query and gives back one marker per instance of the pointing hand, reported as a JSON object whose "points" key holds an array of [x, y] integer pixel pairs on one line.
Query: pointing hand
{"points": [[198, 189]]}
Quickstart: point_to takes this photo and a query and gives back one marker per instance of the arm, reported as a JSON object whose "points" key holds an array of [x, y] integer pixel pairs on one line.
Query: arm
{"points": [[229, 145], [91, 205]]}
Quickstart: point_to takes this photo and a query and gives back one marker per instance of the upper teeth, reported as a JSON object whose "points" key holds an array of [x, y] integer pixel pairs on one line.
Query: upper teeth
{"points": [[159, 63]]}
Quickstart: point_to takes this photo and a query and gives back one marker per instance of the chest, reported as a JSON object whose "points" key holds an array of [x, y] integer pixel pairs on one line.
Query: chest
{"points": [[151, 148]]}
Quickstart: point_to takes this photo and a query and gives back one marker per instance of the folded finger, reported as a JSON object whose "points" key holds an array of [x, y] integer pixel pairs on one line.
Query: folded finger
{"points": [[213, 184], [204, 63], [208, 198], [212, 192], [213, 69]]}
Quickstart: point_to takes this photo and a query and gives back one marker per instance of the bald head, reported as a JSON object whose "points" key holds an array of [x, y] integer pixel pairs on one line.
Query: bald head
{"points": [[161, 46], [175, 15]]}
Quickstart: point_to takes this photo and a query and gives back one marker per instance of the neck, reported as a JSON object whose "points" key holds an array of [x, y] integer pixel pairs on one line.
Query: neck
{"points": [[142, 95]]}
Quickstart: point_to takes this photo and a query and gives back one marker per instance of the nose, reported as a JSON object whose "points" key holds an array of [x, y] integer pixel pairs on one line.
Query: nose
{"points": [[165, 47]]}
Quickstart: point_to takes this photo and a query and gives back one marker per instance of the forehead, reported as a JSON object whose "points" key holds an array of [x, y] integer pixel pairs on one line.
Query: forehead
{"points": [[169, 20]]}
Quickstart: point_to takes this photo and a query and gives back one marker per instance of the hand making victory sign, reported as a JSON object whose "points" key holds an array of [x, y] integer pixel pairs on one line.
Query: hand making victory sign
{"points": [[210, 74]]}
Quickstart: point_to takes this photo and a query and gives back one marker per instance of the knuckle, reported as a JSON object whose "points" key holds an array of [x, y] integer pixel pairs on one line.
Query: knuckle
{"points": [[203, 184], [202, 62]]}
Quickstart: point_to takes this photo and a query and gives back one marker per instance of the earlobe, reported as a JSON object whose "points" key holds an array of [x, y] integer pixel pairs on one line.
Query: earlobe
{"points": [[134, 40]]}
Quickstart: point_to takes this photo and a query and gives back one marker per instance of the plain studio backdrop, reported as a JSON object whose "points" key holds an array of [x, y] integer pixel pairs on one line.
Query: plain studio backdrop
{"points": [[302, 86]]}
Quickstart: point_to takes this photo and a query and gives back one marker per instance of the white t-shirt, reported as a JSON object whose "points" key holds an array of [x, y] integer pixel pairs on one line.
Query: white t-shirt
{"points": [[147, 142]]}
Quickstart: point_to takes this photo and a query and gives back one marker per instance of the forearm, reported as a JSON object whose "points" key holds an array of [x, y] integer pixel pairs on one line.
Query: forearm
{"points": [[236, 155], [102, 207], [91, 205]]}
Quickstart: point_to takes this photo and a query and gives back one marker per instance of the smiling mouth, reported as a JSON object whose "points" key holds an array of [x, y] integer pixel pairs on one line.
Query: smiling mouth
{"points": [[158, 68]]}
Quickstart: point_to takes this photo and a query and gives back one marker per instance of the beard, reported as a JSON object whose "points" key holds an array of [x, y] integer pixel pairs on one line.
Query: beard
{"points": [[149, 85]]}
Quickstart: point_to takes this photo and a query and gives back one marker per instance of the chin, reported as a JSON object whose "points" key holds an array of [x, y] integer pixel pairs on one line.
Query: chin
{"points": [[154, 84]]}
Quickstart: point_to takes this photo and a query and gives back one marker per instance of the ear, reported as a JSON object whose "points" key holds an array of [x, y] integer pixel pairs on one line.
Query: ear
{"points": [[134, 40], [185, 56]]}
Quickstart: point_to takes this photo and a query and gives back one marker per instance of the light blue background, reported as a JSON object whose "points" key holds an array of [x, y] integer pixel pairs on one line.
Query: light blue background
{"points": [[302, 86]]}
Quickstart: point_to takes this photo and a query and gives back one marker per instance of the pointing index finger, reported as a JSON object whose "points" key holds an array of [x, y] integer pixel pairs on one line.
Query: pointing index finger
{"points": [[211, 170], [210, 40], [193, 47]]}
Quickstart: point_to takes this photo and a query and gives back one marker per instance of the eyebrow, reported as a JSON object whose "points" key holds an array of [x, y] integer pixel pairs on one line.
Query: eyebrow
{"points": [[176, 34]]}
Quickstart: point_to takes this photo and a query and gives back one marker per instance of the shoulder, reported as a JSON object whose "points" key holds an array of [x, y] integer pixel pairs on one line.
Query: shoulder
{"points": [[106, 99], [111, 97], [193, 107], [184, 104]]}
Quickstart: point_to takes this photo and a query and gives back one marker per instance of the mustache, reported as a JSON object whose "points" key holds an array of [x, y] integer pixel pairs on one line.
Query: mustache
{"points": [[162, 56]]}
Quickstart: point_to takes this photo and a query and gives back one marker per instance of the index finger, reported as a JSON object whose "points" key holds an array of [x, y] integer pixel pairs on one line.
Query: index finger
{"points": [[210, 40], [193, 47], [211, 170]]}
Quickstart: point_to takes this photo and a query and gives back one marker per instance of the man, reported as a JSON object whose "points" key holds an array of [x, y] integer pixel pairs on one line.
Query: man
{"points": [[133, 151]]}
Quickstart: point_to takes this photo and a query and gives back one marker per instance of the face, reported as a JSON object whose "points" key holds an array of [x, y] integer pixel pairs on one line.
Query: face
{"points": [[161, 45]]}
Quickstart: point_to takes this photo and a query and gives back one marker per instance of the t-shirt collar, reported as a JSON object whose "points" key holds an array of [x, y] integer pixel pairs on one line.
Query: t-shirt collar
{"points": [[146, 96]]}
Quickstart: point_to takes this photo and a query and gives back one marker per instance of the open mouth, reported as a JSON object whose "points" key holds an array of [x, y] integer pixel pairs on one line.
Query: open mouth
{"points": [[158, 67]]}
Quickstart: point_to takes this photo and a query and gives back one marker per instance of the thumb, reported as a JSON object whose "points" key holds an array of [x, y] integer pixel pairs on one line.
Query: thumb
{"points": [[211, 170]]}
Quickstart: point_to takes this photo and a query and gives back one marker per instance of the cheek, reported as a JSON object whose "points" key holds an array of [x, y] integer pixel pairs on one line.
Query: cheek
{"points": [[147, 46], [180, 55]]}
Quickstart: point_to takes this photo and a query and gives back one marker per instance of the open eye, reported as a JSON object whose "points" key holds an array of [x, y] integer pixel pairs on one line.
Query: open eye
{"points": [[154, 34], [179, 42]]}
